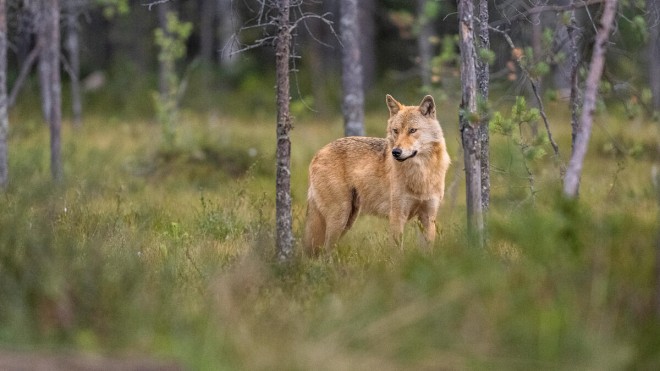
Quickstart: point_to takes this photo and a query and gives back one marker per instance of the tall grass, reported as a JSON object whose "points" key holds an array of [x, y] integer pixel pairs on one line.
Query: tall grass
{"points": [[168, 254]]}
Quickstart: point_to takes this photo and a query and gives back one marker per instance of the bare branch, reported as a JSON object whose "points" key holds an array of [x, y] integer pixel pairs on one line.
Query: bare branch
{"points": [[25, 70], [154, 2], [547, 8], [563, 8]]}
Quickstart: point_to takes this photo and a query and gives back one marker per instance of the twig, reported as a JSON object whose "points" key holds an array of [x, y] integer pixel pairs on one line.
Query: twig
{"points": [[532, 82], [563, 8], [154, 2], [547, 8], [530, 176]]}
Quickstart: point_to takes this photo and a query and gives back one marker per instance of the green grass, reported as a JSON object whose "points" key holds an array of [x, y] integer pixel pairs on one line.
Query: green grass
{"points": [[145, 251]]}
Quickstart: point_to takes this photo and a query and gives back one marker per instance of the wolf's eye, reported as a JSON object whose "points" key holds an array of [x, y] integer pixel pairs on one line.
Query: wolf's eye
{"points": [[412, 131], [395, 131]]}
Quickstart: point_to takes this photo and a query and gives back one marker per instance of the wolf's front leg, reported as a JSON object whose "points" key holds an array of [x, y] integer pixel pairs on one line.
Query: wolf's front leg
{"points": [[428, 229], [397, 222], [427, 213]]}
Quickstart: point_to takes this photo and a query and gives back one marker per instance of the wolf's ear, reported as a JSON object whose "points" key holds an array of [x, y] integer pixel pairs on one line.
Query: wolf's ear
{"points": [[393, 105], [427, 107]]}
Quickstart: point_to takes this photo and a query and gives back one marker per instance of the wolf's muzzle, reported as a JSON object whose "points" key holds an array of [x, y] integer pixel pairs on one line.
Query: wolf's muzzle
{"points": [[397, 152]]}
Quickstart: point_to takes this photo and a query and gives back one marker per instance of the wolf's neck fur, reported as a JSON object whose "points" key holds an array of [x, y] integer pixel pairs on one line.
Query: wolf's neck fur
{"points": [[422, 172]]}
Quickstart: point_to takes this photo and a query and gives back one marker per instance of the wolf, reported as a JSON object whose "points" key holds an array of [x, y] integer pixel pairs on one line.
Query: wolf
{"points": [[399, 177]]}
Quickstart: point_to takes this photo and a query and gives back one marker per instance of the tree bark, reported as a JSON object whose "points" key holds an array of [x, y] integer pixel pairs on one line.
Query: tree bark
{"points": [[561, 76], [353, 91], [165, 68], [573, 41], [284, 241], [313, 55], [424, 46], [4, 119], [653, 20], [55, 115], [226, 29], [469, 123], [574, 170], [41, 20], [206, 30], [483, 79], [73, 49], [366, 10]]}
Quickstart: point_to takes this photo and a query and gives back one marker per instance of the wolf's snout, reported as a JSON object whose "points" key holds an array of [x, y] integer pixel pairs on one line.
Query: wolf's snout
{"points": [[396, 152]]}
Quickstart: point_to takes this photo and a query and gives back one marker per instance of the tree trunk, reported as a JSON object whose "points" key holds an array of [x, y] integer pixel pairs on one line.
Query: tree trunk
{"points": [[165, 69], [366, 10], [314, 57], [561, 76], [73, 49], [55, 90], [483, 79], [4, 119], [573, 41], [469, 122], [227, 20], [653, 17], [574, 170], [353, 93], [43, 38], [284, 242], [206, 30], [49, 17], [656, 293], [424, 46]]}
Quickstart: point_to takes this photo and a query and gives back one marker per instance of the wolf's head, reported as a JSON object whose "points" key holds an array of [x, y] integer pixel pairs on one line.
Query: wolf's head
{"points": [[412, 130]]}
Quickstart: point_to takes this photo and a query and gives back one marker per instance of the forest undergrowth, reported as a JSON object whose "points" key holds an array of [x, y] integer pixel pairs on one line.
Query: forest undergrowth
{"points": [[169, 253]]}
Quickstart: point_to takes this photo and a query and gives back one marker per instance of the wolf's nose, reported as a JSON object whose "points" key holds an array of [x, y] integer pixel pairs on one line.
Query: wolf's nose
{"points": [[396, 152]]}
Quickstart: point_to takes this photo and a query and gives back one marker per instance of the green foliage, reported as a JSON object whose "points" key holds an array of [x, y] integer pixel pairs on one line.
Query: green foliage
{"points": [[520, 115], [113, 8], [444, 64], [432, 9], [487, 55], [640, 27], [172, 47]]}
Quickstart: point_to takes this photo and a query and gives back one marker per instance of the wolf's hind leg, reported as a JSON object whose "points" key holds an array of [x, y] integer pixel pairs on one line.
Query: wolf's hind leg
{"points": [[338, 220], [314, 229]]}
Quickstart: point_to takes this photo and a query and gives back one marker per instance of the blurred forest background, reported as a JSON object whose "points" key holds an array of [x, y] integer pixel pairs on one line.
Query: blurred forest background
{"points": [[146, 239], [410, 42]]}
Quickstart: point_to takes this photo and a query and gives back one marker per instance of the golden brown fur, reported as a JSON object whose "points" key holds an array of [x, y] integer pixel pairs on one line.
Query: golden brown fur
{"points": [[362, 174]]}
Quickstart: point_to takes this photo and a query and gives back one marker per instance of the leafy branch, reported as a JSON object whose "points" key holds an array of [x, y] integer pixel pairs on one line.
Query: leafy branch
{"points": [[519, 57]]}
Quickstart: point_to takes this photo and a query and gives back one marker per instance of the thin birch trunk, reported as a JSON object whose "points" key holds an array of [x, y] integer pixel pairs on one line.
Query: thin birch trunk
{"points": [[51, 20], [353, 93], [469, 123], [43, 38], [574, 170], [424, 46], [227, 19], [73, 49], [573, 40], [206, 18], [653, 20], [284, 239], [4, 119], [165, 68]]}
